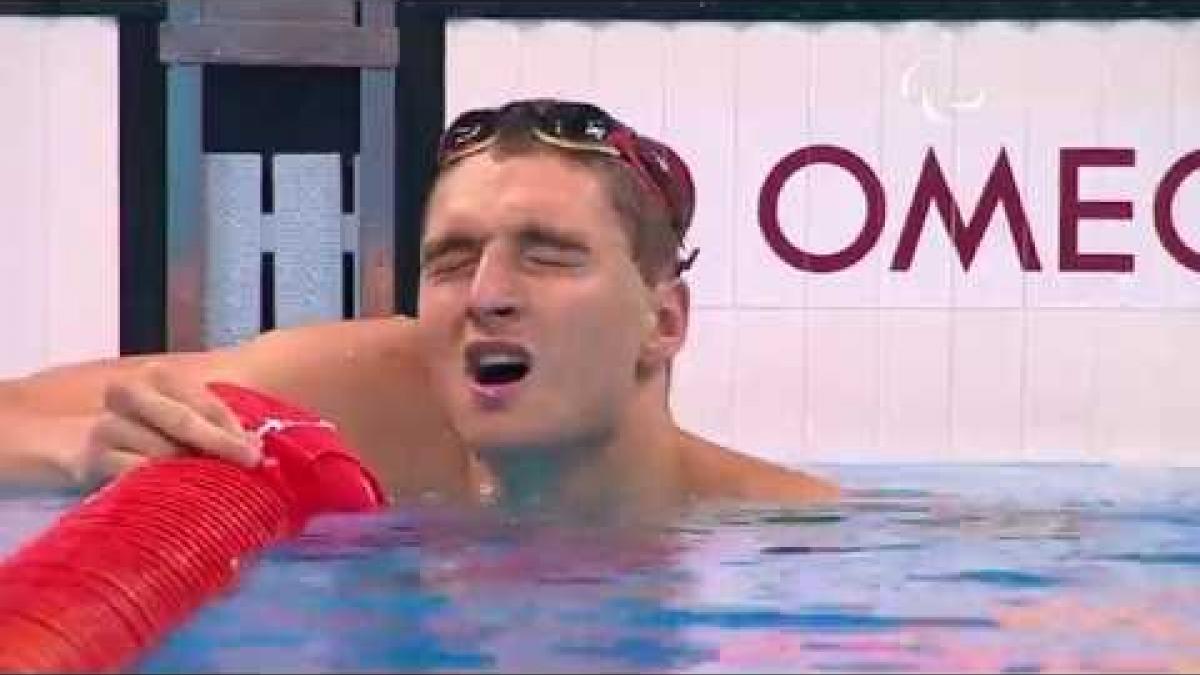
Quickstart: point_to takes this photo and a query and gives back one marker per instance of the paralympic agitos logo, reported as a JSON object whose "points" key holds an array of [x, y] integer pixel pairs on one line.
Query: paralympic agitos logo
{"points": [[1000, 191]]}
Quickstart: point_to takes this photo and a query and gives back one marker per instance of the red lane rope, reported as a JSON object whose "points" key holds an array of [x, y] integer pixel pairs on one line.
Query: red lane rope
{"points": [[110, 578]]}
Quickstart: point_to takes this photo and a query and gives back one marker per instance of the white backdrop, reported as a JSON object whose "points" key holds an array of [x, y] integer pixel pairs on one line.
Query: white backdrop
{"points": [[933, 363], [59, 192]]}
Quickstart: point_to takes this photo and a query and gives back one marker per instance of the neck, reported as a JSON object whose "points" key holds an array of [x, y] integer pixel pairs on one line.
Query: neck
{"points": [[632, 474]]}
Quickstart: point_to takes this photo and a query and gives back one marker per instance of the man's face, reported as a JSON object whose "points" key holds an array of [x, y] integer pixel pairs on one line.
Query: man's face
{"points": [[532, 310]]}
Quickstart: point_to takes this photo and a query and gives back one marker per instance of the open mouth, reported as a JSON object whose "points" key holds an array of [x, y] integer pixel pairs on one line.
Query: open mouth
{"points": [[497, 363]]}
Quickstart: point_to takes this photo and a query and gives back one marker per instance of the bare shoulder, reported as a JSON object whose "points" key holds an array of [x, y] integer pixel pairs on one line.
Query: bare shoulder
{"points": [[288, 361], [344, 367], [329, 353], [383, 334], [369, 377], [718, 472]]}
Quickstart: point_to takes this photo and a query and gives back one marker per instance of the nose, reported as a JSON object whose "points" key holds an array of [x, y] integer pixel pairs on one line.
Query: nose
{"points": [[495, 291]]}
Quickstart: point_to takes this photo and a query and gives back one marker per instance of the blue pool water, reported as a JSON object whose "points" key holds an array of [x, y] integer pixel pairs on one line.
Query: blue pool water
{"points": [[922, 568]]}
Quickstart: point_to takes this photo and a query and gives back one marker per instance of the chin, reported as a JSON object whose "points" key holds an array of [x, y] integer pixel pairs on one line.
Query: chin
{"points": [[493, 437]]}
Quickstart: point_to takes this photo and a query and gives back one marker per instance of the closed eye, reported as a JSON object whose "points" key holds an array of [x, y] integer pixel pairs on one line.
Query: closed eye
{"points": [[448, 263], [544, 246], [449, 254], [556, 256]]}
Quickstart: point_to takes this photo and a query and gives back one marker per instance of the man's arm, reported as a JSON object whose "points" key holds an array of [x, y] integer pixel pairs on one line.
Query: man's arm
{"points": [[86, 422], [79, 388], [52, 422]]}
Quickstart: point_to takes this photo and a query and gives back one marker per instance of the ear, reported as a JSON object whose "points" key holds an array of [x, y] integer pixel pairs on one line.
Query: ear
{"points": [[666, 323]]}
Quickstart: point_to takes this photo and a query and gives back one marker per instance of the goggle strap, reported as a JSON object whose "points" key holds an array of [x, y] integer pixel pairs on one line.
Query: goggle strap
{"points": [[570, 144], [452, 156], [623, 139], [686, 263]]}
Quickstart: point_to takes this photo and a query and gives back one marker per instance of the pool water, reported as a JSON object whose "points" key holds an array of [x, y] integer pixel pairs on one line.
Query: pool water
{"points": [[922, 568]]}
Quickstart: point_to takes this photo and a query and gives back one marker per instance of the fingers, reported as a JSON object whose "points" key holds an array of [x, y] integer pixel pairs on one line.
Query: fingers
{"points": [[113, 462], [113, 431], [197, 420], [117, 444], [197, 397], [160, 413]]}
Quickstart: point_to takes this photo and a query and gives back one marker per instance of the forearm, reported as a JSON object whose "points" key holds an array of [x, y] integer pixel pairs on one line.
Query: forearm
{"points": [[58, 423], [69, 389], [45, 419]]}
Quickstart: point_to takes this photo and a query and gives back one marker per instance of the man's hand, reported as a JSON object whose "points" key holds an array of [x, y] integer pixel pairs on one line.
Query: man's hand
{"points": [[158, 412]]}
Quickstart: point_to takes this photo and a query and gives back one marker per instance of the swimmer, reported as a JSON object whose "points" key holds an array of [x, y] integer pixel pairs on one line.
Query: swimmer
{"points": [[536, 373]]}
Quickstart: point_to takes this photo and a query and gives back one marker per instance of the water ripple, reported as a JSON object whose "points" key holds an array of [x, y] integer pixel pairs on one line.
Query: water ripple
{"points": [[997, 577], [1182, 558], [806, 550], [818, 621]]}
